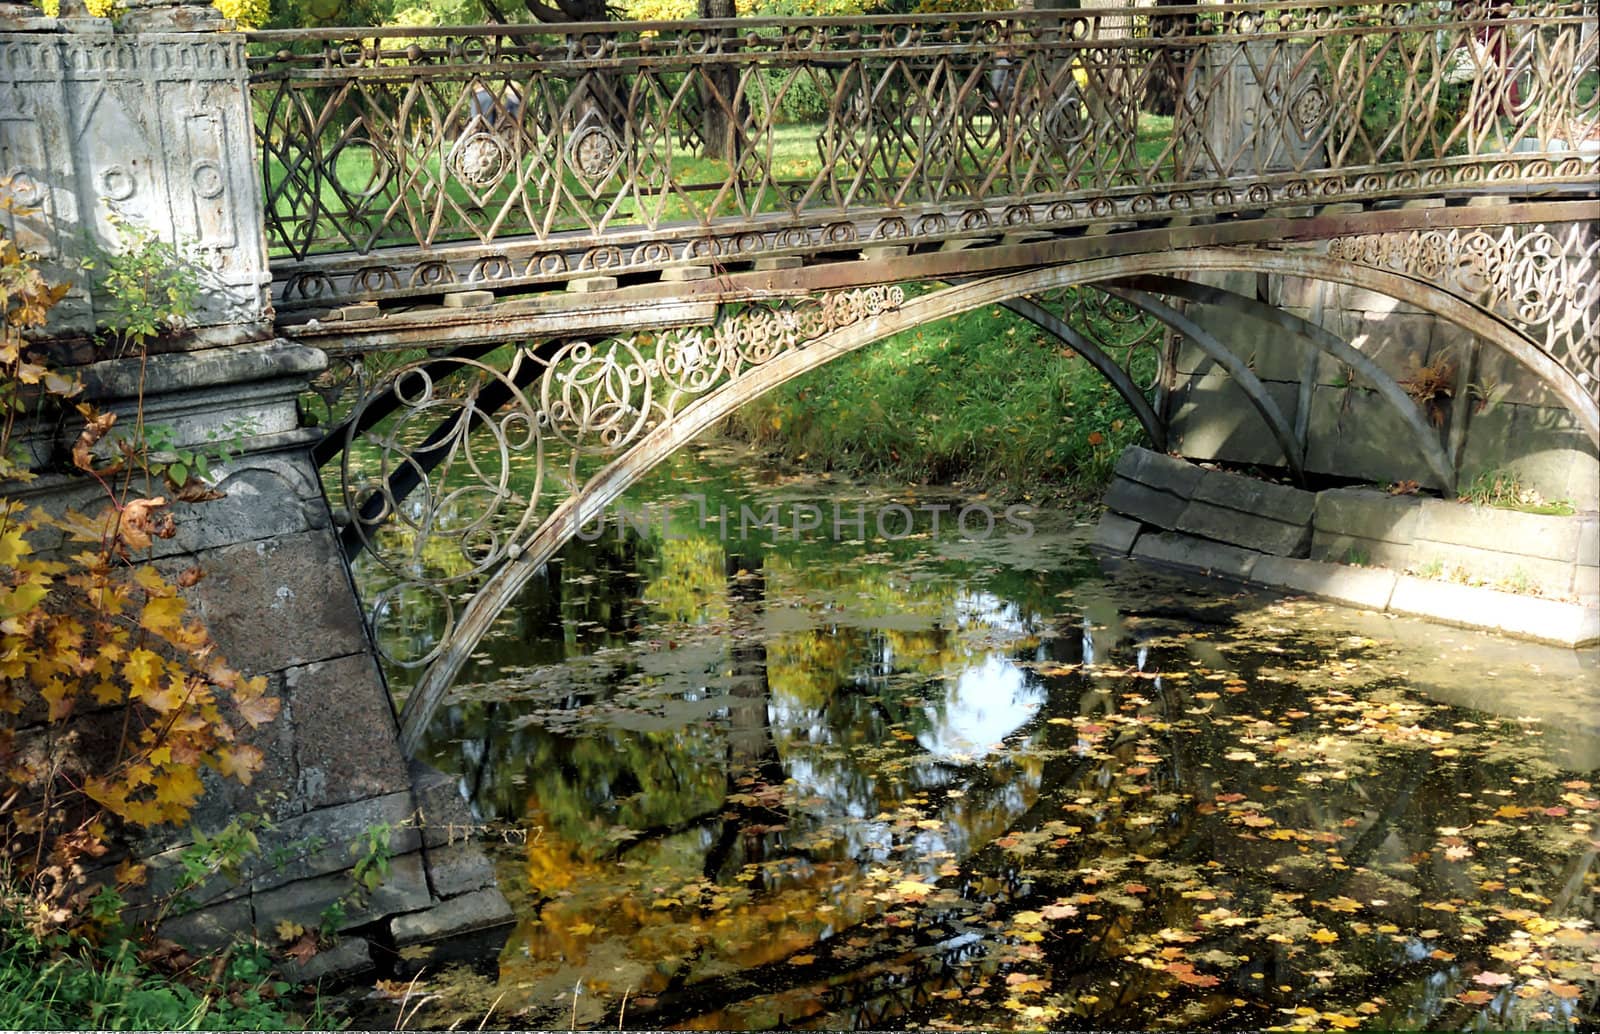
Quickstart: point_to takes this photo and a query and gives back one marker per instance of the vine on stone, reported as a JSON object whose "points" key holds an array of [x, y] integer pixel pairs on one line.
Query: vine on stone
{"points": [[113, 698]]}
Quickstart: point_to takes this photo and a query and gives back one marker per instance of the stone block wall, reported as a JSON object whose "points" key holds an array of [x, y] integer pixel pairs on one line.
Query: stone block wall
{"points": [[1498, 417], [1529, 575], [278, 599]]}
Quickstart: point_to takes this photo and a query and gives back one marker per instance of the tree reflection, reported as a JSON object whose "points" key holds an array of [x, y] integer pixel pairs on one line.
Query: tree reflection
{"points": [[781, 783]]}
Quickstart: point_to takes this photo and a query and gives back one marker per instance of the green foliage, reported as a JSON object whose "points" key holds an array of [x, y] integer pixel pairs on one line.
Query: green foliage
{"points": [[373, 853], [1407, 111], [246, 14], [71, 984], [178, 465], [226, 852], [984, 397], [1505, 489], [151, 286]]}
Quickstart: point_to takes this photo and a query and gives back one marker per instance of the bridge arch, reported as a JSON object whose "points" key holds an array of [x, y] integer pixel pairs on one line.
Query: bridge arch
{"points": [[639, 446]]}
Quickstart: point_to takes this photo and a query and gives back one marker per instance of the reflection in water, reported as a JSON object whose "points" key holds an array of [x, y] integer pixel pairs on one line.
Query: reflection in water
{"points": [[977, 785]]}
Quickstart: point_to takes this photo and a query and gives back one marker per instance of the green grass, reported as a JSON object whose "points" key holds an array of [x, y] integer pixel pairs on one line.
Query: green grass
{"points": [[984, 399], [110, 989], [1504, 489], [61, 981]]}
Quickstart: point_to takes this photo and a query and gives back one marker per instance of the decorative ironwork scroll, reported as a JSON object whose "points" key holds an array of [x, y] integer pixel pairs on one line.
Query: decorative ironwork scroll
{"points": [[470, 455], [1544, 279], [1131, 336], [400, 162]]}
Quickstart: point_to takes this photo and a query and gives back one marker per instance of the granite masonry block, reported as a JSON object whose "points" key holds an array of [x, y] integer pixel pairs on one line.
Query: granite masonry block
{"points": [[442, 811], [1586, 584], [1258, 498], [1158, 470], [460, 915], [1148, 505], [1529, 617], [1368, 514], [1508, 570], [456, 869], [336, 828], [345, 731], [208, 929], [1499, 530], [404, 889], [1115, 534], [1589, 541], [1186, 551], [1261, 534], [276, 603], [1368, 587], [1352, 549]]}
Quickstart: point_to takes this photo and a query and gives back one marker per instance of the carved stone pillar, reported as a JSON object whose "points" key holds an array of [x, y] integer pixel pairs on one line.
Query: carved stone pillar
{"points": [[153, 128], [1250, 109]]}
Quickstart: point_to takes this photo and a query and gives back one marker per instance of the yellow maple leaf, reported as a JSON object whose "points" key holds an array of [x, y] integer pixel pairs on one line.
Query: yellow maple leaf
{"points": [[56, 695], [163, 699], [240, 762], [98, 789], [178, 786], [259, 710], [150, 581], [1324, 936], [142, 813], [13, 546], [163, 615], [131, 874], [142, 669], [18, 601]]}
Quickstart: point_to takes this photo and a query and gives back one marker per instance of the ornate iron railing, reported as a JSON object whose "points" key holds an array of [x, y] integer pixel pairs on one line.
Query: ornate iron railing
{"points": [[401, 161]]}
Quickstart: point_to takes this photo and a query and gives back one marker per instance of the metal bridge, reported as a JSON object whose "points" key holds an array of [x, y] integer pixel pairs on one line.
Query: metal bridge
{"points": [[608, 237]]}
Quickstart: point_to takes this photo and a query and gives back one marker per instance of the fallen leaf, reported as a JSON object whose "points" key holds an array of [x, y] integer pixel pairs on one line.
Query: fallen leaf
{"points": [[1185, 973], [303, 949]]}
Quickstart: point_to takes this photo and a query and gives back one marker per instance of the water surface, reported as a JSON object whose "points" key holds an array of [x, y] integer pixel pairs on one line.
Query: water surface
{"points": [[955, 783]]}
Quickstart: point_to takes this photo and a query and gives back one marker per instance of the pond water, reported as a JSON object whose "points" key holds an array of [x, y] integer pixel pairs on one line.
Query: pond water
{"points": [[749, 779]]}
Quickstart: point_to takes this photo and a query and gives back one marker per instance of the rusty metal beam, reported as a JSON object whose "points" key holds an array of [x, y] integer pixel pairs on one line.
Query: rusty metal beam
{"points": [[831, 266], [691, 302], [1256, 392]]}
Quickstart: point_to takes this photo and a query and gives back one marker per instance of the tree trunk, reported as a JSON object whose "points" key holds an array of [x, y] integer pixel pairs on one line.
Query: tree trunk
{"points": [[1167, 70], [720, 116]]}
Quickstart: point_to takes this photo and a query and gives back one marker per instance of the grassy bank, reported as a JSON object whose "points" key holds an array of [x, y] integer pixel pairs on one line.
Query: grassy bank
{"points": [[59, 981], [985, 400]]}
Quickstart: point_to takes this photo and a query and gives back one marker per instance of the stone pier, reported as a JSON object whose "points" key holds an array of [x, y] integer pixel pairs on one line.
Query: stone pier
{"points": [[101, 126]]}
